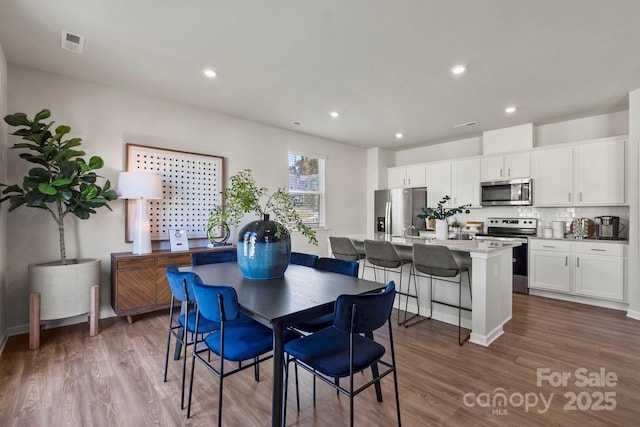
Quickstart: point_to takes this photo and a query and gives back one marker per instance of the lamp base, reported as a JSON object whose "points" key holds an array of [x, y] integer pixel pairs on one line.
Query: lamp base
{"points": [[141, 229]]}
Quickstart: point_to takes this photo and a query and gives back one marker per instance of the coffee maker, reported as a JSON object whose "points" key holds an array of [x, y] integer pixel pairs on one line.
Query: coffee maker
{"points": [[608, 227]]}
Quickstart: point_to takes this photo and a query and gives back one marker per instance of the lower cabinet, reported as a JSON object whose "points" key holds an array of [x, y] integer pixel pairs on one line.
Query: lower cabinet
{"points": [[585, 268], [139, 282]]}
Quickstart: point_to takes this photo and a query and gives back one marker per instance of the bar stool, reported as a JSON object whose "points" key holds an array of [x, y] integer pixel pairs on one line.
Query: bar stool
{"points": [[343, 248], [438, 261], [382, 255]]}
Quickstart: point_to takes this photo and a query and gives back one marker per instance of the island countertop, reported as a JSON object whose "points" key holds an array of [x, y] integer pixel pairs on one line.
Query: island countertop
{"points": [[471, 246]]}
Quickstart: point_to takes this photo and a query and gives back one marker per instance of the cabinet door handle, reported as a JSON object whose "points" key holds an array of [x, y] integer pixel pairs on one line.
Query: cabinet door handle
{"points": [[548, 246], [404, 181], [581, 196], [578, 262], [569, 196], [509, 172], [500, 173], [599, 250], [409, 181], [566, 261]]}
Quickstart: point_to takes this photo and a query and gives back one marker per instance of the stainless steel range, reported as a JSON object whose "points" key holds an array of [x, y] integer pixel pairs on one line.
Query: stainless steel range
{"points": [[514, 230]]}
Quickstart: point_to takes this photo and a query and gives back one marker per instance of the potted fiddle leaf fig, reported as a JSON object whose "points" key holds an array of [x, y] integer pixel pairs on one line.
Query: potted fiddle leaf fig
{"points": [[62, 183], [264, 246]]}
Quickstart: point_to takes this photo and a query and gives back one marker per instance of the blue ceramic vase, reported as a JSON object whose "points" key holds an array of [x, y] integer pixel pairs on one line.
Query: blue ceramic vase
{"points": [[262, 255]]}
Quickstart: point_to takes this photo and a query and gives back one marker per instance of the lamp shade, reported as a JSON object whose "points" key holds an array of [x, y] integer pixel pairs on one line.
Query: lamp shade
{"points": [[139, 185]]}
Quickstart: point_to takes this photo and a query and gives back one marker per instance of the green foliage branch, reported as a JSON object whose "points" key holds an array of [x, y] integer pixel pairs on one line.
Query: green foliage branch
{"points": [[244, 196]]}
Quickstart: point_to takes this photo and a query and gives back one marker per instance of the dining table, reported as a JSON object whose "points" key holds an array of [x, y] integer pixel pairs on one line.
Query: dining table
{"points": [[302, 294]]}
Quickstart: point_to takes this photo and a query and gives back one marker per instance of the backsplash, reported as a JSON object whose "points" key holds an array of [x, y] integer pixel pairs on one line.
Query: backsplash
{"points": [[546, 215]]}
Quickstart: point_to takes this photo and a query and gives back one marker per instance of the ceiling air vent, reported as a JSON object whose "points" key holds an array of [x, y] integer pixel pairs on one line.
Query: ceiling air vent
{"points": [[464, 125], [72, 42]]}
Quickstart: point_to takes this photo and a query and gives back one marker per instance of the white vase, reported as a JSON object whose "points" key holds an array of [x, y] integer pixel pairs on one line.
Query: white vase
{"points": [[442, 229]]}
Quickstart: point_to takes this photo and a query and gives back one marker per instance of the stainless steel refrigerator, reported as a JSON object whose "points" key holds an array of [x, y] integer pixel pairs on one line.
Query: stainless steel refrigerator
{"points": [[397, 209]]}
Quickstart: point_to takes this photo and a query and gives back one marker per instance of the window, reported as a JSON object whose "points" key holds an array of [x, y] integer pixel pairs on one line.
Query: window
{"points": [[306, 187]]}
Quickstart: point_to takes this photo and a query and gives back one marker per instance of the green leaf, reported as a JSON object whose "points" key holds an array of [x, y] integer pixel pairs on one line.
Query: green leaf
{"points": [[13, 189], [95, 162], [44, 114], [73, 142], [17, 119], [61, 182], [39, 174], [16, 201], [47, 188], [62, 130], [34, 199], [110, 194], [65, 194], [89, 192]]}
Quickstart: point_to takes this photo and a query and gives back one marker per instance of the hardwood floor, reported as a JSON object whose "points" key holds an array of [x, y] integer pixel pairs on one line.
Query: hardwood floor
{"points": [[115, 378]]}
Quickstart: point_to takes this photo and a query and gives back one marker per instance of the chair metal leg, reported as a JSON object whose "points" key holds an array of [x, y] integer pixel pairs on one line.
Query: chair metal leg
{"points": [[166, 360], [256, 370], [184, 361]]}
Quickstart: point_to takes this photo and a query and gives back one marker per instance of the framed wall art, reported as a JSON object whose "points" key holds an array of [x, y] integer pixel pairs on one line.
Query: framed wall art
{"points": [[191, 186]]}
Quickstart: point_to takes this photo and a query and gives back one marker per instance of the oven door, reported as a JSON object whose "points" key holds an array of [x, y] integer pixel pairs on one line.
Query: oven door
{"points": [[515, 192], [520, 269]]}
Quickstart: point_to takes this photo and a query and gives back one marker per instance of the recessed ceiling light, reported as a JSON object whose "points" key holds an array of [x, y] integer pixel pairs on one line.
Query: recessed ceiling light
{"points": [[210, 73], [510, 110], [458, 69], [399, 135], [334, 114]]}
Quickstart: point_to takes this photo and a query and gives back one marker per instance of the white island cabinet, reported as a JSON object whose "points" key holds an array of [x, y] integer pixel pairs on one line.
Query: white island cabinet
{"points": [[491, 283]]}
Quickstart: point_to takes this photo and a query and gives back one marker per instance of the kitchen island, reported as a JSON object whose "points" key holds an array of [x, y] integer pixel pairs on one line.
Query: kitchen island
{"points": [[491, 278]]}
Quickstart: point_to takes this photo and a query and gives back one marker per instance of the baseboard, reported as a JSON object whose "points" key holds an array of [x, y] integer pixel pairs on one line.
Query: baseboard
{"points": [[580, 299], [3, 340], [633, 314]]}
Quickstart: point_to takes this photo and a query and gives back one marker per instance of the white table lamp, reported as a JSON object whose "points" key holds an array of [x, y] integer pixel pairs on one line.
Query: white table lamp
{"points": [[140, 186]]}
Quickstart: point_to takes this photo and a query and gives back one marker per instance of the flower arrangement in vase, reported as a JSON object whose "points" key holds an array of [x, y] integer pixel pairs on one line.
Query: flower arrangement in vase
{"points": [[440, 214]]}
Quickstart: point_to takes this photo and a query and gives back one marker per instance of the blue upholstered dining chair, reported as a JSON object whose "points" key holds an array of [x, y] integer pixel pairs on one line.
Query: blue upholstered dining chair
{"points": [[213, 257], [181, 285], [348, 268], [237, 339], [348, 346], [308, 260]]}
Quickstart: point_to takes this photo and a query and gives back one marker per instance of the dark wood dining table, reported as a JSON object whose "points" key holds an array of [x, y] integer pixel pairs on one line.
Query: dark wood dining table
{"points": [[301, 295]]}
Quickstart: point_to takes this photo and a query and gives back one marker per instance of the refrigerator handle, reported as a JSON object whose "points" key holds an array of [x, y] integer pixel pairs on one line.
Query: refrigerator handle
{"points": [[387, 217]]}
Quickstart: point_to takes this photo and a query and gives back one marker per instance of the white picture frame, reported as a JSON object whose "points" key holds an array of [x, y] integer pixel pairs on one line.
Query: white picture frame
{"points": [[179, 240]]}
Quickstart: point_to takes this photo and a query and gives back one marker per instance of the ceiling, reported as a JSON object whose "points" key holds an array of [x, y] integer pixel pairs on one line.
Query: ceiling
{"points": [[384, 65]]}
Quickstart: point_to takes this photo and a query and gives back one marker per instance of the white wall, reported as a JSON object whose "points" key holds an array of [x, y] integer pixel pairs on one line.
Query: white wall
{"points": [[549, 134], [106, 119], [3, 209]]}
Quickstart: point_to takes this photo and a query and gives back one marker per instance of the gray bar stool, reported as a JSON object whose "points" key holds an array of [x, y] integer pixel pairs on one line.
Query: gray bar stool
{"points": [[438, 261], [382, 255], [343, 248]]}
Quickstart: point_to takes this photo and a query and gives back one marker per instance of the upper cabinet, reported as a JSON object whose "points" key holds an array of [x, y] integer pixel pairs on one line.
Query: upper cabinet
{"points": [[438, 183], [465, 182], [507, 166], [407, 176], [588, 174], [600, 172]]}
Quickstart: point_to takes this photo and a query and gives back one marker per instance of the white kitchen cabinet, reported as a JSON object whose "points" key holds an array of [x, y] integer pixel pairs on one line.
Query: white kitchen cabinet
{"points": [[438, 183], [553, 177], [583, 268], [507, 166], [600, 172], [550, 265], [588, 174], [600, 270], [407, 176], [465, 182]]}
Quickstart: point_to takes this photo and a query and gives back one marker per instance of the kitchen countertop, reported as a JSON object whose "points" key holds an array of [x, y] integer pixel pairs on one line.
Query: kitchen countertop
{"points": [[571, 239]]}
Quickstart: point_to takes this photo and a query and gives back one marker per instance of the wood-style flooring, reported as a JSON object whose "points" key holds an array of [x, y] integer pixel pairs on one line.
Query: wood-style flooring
{"points": [[115, 378]]}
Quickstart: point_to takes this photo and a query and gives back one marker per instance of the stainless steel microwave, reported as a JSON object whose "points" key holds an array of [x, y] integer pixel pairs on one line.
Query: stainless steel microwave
{"points": [[514, 192]]}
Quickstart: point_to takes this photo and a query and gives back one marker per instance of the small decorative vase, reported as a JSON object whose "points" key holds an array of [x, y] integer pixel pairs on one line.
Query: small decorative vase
{"points": [[442, 229], [262, 255]]}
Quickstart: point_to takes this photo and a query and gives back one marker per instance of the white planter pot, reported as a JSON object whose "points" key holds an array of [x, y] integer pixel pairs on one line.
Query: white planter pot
{"points": [[65, 290], [442, 229]]}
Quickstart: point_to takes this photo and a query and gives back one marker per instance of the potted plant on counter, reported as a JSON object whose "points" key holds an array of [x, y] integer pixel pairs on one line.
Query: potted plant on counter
{"points": [[440, 214], [61, 183], [264, 245]]}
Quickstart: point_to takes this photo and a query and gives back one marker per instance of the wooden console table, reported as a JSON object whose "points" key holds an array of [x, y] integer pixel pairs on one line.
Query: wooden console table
{"points": [[139, 282]]}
